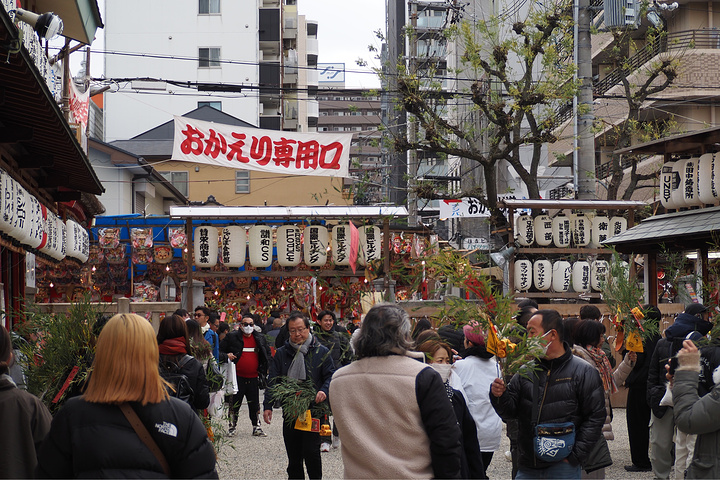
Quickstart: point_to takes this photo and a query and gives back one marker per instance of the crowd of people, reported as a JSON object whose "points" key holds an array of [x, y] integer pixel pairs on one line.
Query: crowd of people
{"points": [[400, 400]]}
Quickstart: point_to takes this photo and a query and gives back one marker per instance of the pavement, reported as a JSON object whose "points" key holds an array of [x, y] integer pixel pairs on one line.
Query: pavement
{"points": [[248, 457]]}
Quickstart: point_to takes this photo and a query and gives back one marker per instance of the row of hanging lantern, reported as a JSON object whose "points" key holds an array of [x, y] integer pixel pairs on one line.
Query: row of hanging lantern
{"points": [[293, 244], [565, 230], [691, 182], [561, 276], [27, 222]]}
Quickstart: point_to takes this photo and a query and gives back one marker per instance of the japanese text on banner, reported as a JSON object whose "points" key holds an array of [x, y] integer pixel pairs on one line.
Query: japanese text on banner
{"points": [[319, 154]]}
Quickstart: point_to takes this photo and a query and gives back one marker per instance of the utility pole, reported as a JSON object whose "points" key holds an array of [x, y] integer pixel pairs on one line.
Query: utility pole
{"points": [[584, 154], [412, 121], [397, 117]]}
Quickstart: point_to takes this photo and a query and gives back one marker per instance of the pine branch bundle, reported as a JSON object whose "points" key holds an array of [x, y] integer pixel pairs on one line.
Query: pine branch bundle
{"points": [[297, 397]]}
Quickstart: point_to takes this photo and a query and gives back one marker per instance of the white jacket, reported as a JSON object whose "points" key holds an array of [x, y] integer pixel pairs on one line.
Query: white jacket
{"points": [[475, 376]]}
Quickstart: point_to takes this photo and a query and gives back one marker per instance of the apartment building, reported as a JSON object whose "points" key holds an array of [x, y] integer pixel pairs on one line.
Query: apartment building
{"points": [[358, 111], [693, 38]]}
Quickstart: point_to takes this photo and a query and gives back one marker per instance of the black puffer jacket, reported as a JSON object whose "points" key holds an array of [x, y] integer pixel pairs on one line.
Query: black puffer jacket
{"points": [[95, 440], [234, 343], [665, 349], [574, 394], [195, 374], [338, 344]]}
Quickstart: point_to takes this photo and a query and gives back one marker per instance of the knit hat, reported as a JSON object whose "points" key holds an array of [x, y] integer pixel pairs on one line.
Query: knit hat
{"points": [[473, 333], [695, 309]]}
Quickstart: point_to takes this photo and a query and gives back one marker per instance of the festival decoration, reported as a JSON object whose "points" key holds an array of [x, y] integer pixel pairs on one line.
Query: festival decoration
{"points": [[341, 245], [205, 245], [260, 246], [599, 270], [523, 275], [562, 275], [177, 237], [581, 276], [708, 190], [678, 196], [543, 230], [524, 230], [234, 246], [600, 231], [370, 244], [688, 182], [617, 226], [289, 246], [581, 230], [542, 275], [561, 231], [163, 254], [141, 238]]}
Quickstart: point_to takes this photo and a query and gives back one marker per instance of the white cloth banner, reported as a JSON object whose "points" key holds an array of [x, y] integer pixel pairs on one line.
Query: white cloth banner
{"points": [[79, 104], [319, 154]]}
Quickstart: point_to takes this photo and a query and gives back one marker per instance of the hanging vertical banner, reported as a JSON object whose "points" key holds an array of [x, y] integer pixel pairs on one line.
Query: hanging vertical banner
{"points": [[318, 154], [79, 103]]}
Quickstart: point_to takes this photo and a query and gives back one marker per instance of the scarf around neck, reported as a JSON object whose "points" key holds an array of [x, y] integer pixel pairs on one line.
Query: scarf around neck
{"points": [[603, 366], [173, 346], [297, 367]]}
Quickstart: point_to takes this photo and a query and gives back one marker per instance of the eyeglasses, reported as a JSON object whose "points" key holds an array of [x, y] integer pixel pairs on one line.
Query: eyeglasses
{"points": [[248, 324], [199, 315], [297, 332]]}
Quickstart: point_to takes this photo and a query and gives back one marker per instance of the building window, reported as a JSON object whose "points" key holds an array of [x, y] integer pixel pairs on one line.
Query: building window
{"points": [[242, 181], [207, 7], [208, 57], [215, 105], [178, 179]]}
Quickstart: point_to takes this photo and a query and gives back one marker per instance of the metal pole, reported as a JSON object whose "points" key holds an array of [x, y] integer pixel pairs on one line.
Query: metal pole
{"points": [[413, 126], [585, 167], [190, 247]]}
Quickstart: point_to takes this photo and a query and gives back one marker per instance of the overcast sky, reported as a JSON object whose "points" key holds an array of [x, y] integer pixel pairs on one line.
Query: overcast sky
{"points": [[345, 30]]}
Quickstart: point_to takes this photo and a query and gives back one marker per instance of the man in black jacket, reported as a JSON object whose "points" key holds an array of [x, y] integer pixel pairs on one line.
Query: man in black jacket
{"points": [[252, 357], [565, 388], [301, 358]]}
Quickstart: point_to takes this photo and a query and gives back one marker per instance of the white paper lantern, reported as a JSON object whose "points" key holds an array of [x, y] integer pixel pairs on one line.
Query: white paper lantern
{"points": [[78, 244], [36, 223], [668, 183], [234, 245], [341, 244], [678, 198], [21, 228], [50, 231], [599, 271], [6, 199], [708, 176], [289, 246], [581, 276], [617, 226], [43, 227], [260, 246], [84, 246], [205, 246], [600, 230], [542, 275], [688, 184], [561, 231], [561, 276], [60, 241], [523, 275], [316, 241], [543, 230], [581, 230], [370, 244], [524, 230]]}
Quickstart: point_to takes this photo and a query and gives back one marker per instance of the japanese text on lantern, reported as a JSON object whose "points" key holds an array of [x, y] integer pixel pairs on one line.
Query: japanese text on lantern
{"points": [[204, 246], [341, 244], [371, 243], [265, 244], [314, 246], [287, 153], [226, 246], [292, 237]]}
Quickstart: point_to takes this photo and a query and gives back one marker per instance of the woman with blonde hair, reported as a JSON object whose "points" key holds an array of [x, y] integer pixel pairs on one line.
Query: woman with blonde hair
{"points": [[92, 437]]}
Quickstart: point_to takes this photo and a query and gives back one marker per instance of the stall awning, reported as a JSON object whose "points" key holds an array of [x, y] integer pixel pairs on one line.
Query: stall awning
{"points": [[689, 230]]}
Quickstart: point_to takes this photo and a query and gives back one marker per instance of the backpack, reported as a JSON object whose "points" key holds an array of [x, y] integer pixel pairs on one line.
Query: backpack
{"points": [[170, 371]]}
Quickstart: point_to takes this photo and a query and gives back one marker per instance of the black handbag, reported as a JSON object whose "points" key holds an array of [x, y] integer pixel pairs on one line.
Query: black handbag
{"points": [[599, 457]]}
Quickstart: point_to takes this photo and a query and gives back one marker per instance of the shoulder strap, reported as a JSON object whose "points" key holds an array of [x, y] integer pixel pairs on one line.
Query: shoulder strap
{"points": [[185, 359], [144, 435]]}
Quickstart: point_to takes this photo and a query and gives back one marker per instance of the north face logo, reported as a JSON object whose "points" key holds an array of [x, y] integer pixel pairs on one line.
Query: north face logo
{"points": [[167, 428]]}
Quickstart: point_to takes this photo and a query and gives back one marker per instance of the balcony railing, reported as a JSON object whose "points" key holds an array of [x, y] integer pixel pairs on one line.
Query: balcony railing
{"points": [[696, 39]]}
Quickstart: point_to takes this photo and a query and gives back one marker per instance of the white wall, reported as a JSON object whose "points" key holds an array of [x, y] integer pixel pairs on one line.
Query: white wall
{"points": [[175, 29], [117, 198]]}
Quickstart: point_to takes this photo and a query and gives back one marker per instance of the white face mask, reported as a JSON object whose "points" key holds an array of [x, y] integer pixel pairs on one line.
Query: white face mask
{"points": [[443, 369], [248, 330], [546, 346]]}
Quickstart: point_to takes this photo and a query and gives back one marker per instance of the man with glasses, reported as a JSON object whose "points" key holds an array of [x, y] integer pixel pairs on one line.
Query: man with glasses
{"points": [[302, 357], [252, 356]]}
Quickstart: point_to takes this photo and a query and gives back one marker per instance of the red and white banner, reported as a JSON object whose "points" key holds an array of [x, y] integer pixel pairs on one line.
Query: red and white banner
{"points": [[319, 154], [79, 103]]}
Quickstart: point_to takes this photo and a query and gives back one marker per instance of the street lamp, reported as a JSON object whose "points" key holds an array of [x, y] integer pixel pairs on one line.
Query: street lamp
{"points": [[48, 25]]}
